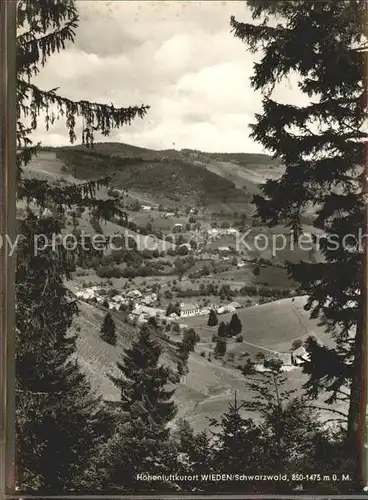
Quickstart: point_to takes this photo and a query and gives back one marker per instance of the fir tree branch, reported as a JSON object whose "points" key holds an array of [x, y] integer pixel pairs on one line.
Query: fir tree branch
{"points": [[102, 117], [32, 50], [332, 410]]}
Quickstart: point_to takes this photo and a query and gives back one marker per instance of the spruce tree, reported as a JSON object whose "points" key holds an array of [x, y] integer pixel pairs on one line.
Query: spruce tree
{"points": [[170, 309], [144, 382], [237, 445], [221, 346], [195, 456], [322, 146], [58, 419], [212, 318], [108, 330], [291, 435], [235, 326], [222, 329], [141, 441], [190, 338], [186, 346], [136, 448]]}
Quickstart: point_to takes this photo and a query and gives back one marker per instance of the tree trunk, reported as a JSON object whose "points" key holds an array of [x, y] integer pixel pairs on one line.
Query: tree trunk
{"points": [[358, 391], [8, 174]]}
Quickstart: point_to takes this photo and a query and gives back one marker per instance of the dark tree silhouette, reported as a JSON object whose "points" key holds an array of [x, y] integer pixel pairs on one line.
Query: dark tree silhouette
{"points": [[108, 330], [212, 318], [58, 421], [235, 326], [223, 329], [323, 148]]}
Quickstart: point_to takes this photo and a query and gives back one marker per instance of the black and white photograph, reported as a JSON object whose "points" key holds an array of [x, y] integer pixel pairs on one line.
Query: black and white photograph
{"points": [[191, 228]]}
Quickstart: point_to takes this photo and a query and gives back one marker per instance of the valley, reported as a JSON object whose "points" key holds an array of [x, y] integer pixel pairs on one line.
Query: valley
{"points": [[187, 213]]}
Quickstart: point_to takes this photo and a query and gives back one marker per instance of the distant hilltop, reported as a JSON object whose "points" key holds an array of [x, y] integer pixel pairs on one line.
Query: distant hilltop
{"points": [[124, 150]]}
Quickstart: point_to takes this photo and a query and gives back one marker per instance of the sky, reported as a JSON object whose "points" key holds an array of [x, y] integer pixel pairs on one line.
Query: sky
{"points": [[178, 57]]}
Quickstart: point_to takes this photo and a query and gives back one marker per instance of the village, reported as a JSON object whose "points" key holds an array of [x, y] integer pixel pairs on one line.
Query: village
{"points": [[141, 308]]}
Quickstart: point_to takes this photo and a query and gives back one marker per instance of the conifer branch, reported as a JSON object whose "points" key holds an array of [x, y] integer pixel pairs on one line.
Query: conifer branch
{"points": [[331, 410], [33, 50]]}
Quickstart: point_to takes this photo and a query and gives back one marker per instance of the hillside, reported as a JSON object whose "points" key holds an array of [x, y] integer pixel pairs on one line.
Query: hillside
{"points": [[216, 181], [212, 180], [209, 386], [167, 179], [97, 358], [124, 150]]}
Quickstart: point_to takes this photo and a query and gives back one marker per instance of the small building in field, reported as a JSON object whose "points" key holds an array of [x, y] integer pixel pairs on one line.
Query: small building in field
{"points": [[185, 246], [231, 231], [236, 305], [148, 300], [229, 308], [299, 356], [134, 294], [223, 250], [188, 309], [148, 312], [285, 357], [193, 310]]}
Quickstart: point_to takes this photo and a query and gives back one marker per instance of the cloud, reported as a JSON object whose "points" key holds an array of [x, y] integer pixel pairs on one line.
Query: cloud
{"points": [[178, 57]]}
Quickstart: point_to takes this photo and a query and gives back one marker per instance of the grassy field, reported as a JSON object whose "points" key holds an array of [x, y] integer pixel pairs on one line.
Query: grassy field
{"points": [[89, 276], [274, 325], [274, 277]]}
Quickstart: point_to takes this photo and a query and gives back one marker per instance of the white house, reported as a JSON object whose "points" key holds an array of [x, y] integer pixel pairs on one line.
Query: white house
{"points": [[134, 294], [285, 357], [193, 310], [148, 311], [178, 226], [142, 319], [231, 231], [299, 356], [119, 299], [149, 299], [45, 213], [186, 245], [229, 308], [189, 309], [236, 305], [223, 250], [113, 307], [146, 208], [86, 294]]}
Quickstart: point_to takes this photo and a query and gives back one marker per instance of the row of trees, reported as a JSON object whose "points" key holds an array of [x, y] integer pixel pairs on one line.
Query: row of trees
{"points": [[231, 329]]}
